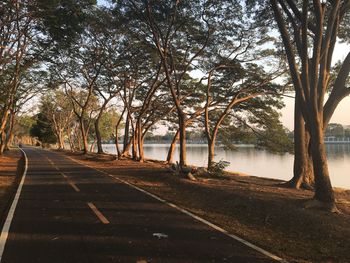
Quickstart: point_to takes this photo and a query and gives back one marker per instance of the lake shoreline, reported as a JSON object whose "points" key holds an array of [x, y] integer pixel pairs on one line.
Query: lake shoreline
{"points": [[257, 209]]}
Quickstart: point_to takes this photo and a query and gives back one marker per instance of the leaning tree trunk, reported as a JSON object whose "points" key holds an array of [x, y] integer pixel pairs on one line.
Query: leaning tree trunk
{"points": [[98, 135], [171, 151], [182, 128], [323, 187]]}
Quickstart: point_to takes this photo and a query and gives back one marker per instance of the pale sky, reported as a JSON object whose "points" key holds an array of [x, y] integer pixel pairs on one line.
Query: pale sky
{"points": [[341, 114]]}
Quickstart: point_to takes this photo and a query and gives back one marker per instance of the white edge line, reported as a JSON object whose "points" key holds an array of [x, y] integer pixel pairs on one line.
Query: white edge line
{"points": [[198, 218], [7, 224]]}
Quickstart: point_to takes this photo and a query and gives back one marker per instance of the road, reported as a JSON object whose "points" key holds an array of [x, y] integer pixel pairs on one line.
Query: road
{"points": [[68, 212]]}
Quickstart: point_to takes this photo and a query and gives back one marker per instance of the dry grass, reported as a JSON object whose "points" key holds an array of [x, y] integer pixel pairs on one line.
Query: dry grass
{"points": [[8, 171]]}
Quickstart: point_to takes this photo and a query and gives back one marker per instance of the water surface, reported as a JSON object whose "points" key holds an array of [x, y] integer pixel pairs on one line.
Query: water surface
{"points": [[256, 162]]}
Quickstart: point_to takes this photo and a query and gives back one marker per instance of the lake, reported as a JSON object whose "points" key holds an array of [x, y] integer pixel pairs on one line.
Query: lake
{"points": [[256, 162]]}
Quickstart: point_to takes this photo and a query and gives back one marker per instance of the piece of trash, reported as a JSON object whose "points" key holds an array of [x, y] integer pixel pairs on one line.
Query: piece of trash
{"points": [[141, 261], [55, 238], [160, 235]]}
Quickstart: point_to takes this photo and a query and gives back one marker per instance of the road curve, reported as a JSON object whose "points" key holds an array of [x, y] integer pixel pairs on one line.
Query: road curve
{"points": [[68, 212]]}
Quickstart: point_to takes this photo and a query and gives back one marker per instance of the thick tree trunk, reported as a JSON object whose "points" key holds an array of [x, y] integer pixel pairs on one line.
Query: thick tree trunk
{"points": [[126, 151], [303, 168], [182, 128], [323, 187], [10, 133], [98, 135], [171, 151]]}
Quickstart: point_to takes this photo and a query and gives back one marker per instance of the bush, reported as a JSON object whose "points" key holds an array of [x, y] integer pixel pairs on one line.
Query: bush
{"points": [[218, 168]]}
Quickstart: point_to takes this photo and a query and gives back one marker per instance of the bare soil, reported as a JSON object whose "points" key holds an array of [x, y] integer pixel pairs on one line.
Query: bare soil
{"points": [[256, 209], [9, 177]]}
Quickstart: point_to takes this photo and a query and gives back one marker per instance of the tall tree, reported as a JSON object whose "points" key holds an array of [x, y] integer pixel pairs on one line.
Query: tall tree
{"points": [[310, 31]]}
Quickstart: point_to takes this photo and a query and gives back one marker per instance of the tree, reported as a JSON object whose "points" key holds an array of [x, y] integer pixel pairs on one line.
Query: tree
{"points": [[58, 112], [180, 32], [42, 129], [310, 32]]}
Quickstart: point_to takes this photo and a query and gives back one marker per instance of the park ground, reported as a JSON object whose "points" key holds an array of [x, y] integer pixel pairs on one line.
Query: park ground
{"points": [[256, 209]]}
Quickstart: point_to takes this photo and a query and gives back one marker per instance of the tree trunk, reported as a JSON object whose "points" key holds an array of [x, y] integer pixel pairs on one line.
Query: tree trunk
{"points": [[126, 134], [140, 141], [182, 128], [323, 187], [303, 167], [211, 152], [119, 154], [71, 143], [116, 140], [83, 136], [98, 136], [134, 145], [141, 149], [126, 151], [171, 151], [10, 133], [3, 142], [92, 147]]}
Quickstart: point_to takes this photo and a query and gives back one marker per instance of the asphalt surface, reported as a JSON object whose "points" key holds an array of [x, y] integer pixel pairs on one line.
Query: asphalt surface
{"points": [[68, 212]]}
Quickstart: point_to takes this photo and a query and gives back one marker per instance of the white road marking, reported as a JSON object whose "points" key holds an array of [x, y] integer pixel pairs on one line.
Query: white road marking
{"points": [[73, 185], [7, 224], [97, 212], [198, 218]]}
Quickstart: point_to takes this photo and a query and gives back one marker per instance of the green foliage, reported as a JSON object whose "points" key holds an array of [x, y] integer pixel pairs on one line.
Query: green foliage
{"points": [[42, 129], [336, 130], [64, 20], [273, 136], [23, 125], [218, 168], [107, 124]]}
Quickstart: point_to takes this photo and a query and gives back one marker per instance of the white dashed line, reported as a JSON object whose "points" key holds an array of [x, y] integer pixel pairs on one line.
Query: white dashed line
{"points": [[73, 185], [97, 212]]}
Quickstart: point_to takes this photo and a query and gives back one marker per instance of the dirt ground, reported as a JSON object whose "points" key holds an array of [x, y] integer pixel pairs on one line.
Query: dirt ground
{"points": [[8, 180], [256, 209]]}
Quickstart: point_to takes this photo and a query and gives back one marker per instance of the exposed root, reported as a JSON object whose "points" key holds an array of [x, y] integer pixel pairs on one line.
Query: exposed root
{"points": [[316, 204]]}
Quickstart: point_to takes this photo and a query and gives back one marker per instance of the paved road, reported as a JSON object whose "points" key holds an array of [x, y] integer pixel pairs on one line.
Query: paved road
{"points": [[68, 212]]}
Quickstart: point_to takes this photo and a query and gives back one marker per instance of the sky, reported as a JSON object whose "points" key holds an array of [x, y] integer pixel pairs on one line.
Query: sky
{"points": [[341, 114]]}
